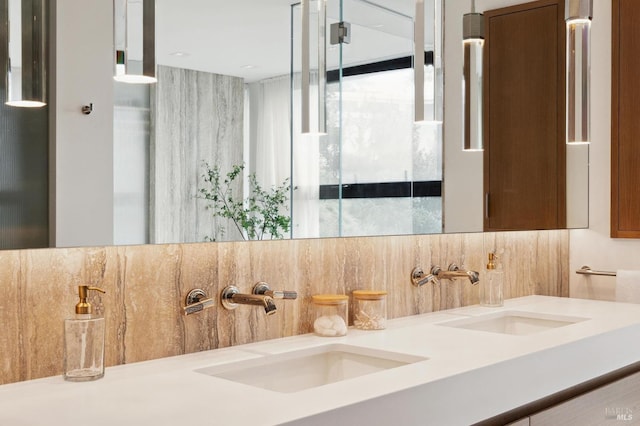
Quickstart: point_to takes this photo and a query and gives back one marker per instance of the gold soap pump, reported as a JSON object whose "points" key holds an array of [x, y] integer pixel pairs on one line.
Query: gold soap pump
{"points": [[84, 341], [492, 257], [83, 307]]}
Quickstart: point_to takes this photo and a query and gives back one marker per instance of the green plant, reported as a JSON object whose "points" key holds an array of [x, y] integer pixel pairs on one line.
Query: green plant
{"points": [[257, 216]]}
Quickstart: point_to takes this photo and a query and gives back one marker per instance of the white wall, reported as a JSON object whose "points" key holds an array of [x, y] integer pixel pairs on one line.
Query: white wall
{"points": [[83, 143], [593, 246], [462, 174]]}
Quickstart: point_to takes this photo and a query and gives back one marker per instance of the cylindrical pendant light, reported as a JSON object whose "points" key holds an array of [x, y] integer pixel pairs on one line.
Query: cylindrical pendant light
{"points": [[26, 78], [418, 62], [322, 67], [309, 126], [426, 63], [578, 15], [472, 43], [134, 40]]}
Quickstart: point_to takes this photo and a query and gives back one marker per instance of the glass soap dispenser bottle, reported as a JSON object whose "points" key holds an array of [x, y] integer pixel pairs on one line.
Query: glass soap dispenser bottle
{"points": [[84, 341], [491, 287]]}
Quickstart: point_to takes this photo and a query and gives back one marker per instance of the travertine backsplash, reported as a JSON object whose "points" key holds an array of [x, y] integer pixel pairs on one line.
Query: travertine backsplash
{"points": [[146, 287]]}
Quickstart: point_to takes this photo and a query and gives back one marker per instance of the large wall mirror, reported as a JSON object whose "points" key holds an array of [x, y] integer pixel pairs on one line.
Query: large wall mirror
{"points": [[226, 112]]}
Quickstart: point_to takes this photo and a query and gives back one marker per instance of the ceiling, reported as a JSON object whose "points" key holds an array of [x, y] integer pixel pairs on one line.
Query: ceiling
{"points": [[252, 38]]}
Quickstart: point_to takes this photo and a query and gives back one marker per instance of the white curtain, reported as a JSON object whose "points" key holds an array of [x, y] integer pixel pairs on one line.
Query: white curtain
{"points": [[270, 148], [131, 175], [270, 153], [306, 165]]}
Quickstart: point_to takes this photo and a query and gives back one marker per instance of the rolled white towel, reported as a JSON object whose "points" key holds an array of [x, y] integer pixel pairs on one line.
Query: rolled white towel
{"points": [[628, 286], [332, 325]]}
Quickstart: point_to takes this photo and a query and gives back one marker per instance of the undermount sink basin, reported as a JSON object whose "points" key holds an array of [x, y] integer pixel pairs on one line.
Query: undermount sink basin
{"points": [[308, 368], [514, 322]]}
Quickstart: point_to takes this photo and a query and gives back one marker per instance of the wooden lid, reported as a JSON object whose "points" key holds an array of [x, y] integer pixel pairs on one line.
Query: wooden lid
{"points": [[329, 299], [369, 294]]}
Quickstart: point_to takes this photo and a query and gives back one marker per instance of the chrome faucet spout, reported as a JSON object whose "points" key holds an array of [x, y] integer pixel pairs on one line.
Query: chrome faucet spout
{"points": [[474, 277], [255, 300], [454, 272], [231, 298]]}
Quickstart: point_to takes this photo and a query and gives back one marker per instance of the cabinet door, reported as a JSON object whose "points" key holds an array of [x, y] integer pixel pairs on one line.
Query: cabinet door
{"points": [[616, 404], [524, 130], [625, 126]]}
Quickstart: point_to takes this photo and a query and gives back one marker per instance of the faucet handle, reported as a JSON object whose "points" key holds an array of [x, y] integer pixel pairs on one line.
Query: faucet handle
{"points": [[419, 278], [263, 288], [196, 301], [282, 294]]}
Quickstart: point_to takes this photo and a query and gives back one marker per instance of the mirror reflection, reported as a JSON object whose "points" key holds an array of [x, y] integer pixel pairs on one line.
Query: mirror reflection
{"points": [[374, 172], [228, 101]]}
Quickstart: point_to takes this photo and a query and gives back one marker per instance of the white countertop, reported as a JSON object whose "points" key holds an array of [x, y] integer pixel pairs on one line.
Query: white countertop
{"points": [[469, 376]]}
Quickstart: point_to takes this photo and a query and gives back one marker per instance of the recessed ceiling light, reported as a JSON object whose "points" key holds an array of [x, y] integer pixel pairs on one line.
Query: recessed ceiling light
{"points": [[248, 67], [179, 54], [378, 26]]}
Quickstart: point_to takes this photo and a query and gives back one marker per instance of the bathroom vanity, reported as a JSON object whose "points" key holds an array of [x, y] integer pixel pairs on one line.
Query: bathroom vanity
{"points": [[459, 366]]}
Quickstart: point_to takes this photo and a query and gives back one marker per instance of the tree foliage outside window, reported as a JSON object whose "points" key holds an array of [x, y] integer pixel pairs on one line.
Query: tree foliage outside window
{"points": [[258, 216]]}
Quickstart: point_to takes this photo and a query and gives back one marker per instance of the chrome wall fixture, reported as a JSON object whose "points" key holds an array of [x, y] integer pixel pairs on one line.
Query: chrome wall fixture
{"points": [[578, 14], [134, 41], [472, 43], [309, 126], [586, 270], [26, 78], [87, 109], [230, 298], [420, 278]]}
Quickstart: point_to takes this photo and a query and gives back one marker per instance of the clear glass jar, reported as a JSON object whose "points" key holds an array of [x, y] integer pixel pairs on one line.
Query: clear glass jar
{"points": [[491, 286], [370, 309], [83, 348], [330, 314]]}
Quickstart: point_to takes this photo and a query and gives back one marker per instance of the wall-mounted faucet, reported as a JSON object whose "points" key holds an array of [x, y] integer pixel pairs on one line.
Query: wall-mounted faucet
{"points": [[453, 272], [231, 298], [420, 278]]}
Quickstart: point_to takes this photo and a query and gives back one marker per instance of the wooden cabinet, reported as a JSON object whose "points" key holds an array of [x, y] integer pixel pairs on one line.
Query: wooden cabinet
{"points": [[616, 403], [625, 125], [524, 117], [603, 401]]}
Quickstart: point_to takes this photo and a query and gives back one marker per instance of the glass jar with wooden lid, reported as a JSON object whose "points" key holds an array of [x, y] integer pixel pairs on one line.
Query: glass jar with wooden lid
{"points": [[370, 309], [330, 314]]}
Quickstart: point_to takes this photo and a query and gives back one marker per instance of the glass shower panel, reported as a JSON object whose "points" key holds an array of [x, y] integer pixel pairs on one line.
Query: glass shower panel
{"points": [[378, 172], [385, 158]]}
